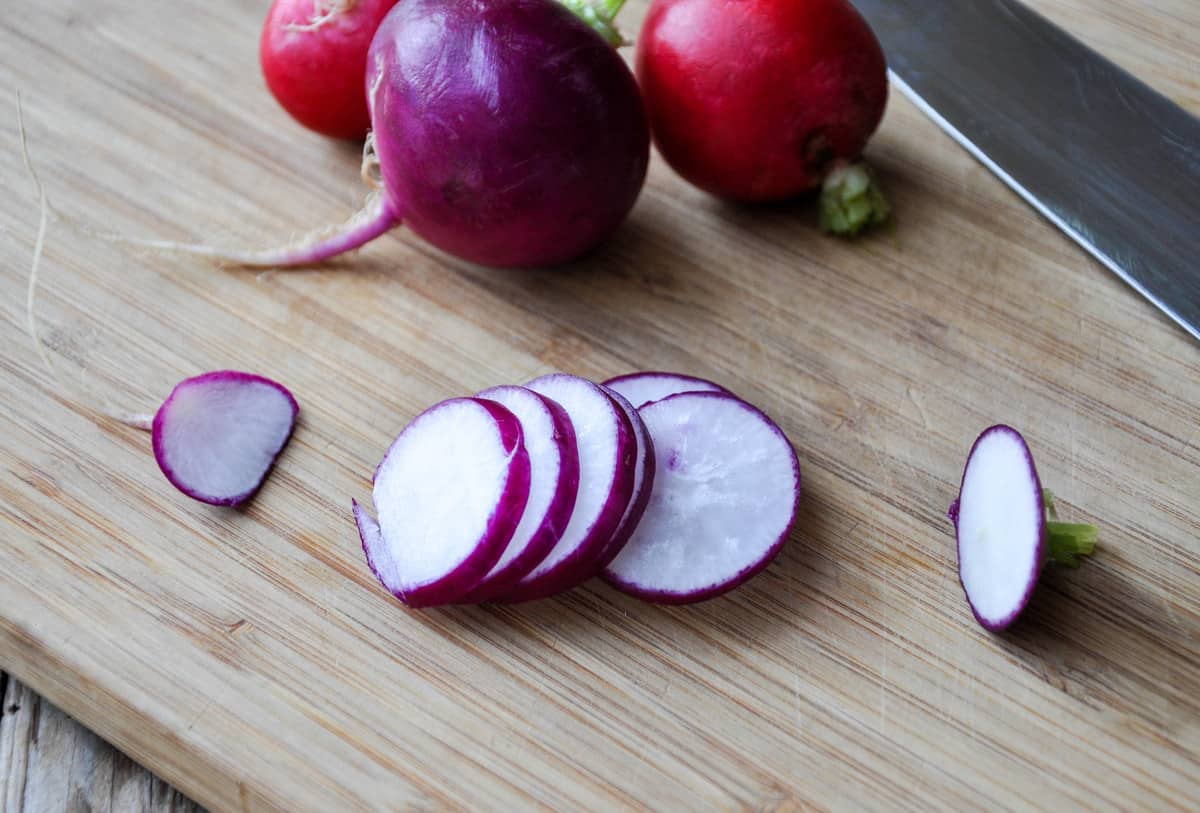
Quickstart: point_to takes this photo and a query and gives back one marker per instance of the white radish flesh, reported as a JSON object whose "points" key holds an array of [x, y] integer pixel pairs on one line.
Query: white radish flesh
{"points": [[642, 388], [218, 434], [607, 457], [553, 484], [449, 494], [725, 495]]}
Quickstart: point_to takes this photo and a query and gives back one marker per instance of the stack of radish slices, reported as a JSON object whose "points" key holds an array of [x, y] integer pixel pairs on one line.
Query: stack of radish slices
{"points": [[668, 486]]}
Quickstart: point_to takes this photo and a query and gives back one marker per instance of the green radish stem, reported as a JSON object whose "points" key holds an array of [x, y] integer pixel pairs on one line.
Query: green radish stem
{"points": [[1066, 541], [851, 200], [599, 14]]}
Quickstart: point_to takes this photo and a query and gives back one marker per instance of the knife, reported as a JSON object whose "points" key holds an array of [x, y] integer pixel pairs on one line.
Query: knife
{"points": [[1111, 162]]}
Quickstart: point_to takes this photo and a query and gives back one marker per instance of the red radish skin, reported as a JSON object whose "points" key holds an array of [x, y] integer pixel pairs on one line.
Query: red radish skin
{"points": [[756, 100], [642, 388], [607, 457], [643, 482], [449, 494], [725, 496], [314, 56], [217, 436], [550, 442], [1006, 528]]}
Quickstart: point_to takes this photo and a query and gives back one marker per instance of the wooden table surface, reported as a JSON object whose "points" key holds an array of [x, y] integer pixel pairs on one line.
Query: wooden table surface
{"points": [[248, 656]]}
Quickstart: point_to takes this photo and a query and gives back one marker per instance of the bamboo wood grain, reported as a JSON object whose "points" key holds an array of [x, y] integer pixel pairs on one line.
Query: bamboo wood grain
{"points": [[248, 656]]}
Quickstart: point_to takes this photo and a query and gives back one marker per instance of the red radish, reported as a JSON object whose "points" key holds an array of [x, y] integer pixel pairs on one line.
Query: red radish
{"points": [[607, 460], [553, 484], [217, 435], [643, 482], [725, 496], [314, 57], [642, 388], [759, 100], [1006, 528], [507, 133], [450, 492]]}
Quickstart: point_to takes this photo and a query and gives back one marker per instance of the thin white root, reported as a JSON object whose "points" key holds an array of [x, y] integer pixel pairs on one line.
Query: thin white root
{"points": [[324, 11], [135, 420]]}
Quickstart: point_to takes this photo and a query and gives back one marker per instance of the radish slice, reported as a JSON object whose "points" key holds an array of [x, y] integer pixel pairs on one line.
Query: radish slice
{"points": [[553, 485], [217, 435], [725, 495], [643, 481], [1003, 533], [642, 388], [449, 492], [607, 458]]}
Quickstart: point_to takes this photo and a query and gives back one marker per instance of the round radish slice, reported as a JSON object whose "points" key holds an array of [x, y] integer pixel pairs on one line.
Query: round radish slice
{"points": [[607, 458], [643, 481], [553, 484], [218, 434], [642, 388], [449, 493], [725, 495], [1004, 535]]}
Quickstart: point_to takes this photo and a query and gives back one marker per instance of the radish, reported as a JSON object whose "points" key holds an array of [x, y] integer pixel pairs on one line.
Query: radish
{"points": [[643, 481], [553, 484], [449, 493], [725, 496], [507, 133], [642, 388], [762, 100], [607, 462], [314, 57], [1006, 528]]}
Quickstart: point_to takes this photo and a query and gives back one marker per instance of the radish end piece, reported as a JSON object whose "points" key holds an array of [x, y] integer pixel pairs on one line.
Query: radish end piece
{"points": [[851, 201]]}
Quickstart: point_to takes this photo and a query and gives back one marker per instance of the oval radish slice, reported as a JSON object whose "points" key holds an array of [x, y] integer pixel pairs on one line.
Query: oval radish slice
{"points": [[642, 388], [643, 481], [724, 498], [217, 435], [607, 458], [449, 493], [553, 485]]}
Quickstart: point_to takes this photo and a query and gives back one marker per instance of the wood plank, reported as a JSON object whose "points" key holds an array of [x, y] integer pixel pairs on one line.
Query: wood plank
{"points": [[849, 675], [51, 764]]}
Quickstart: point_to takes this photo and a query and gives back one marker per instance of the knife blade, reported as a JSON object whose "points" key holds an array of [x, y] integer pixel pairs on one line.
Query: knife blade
{"points": [[1110, 161]]}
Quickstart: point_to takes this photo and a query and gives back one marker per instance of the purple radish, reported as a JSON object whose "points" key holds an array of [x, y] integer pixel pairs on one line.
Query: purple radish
{"points": [[507, 133], [1006, 528], [449, 494], [725, 495], [553, 485], [217, 435], [643, 482], [642, 388], [607, 459]]}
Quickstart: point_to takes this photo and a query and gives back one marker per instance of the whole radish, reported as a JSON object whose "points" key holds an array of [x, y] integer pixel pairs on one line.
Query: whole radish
{"points": [[314, 56], [759, 100]]}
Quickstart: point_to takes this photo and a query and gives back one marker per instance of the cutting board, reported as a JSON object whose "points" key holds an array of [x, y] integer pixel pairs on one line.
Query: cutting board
{"points": [[248, 655]]}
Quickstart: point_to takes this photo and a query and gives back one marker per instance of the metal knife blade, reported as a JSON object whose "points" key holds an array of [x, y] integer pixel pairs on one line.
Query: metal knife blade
{"points": [[1113, 163]]}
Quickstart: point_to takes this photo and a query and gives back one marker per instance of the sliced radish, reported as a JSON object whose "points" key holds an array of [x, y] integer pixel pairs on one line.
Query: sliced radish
{"points": [[218, 434], [642, 388], [607, 459], [725, 495], [553, 485], [449, 493], [1002, 529], [643, 482]]}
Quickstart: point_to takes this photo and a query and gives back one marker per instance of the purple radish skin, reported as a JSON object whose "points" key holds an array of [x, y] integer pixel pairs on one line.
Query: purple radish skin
{"points": [[549, 440], [643, 482], [725, 496], [1006, 528], [607, 458], [449, 494], [642, 388], [217, 435]]}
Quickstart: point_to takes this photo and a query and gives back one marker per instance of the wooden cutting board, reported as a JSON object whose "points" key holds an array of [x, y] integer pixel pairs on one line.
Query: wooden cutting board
{"points": [[249, 656]]}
